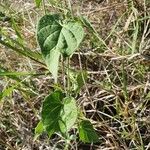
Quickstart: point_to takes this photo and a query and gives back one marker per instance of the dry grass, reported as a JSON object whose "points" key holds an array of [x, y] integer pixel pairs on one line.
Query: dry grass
{"points": [[117, 94]]}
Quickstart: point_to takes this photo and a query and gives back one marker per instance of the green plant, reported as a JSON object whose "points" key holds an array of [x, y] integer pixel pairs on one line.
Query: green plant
{"points": [[60, 36], [106, 80]]}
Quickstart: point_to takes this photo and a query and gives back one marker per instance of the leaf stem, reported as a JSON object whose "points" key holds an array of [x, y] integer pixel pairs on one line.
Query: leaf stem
{"points": [[68, 76], [63, 74]]}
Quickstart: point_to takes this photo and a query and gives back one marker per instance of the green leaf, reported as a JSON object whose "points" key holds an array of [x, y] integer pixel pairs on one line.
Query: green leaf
{"points": [[38, 2], [39, 128], [21, 49], [59, 114], [57, 36], [17, 29], [2, 73], [68, 114], [77, 79], [51, 110], [87, 133], [52, 61], [8, 91]]}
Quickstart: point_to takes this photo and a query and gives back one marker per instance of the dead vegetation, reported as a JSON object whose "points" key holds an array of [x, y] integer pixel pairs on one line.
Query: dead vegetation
{"points": [[116, 96]]}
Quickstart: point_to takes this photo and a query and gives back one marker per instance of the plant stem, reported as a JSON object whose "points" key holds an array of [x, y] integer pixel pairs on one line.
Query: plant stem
{"points": [[63, 74], [68, 77]]}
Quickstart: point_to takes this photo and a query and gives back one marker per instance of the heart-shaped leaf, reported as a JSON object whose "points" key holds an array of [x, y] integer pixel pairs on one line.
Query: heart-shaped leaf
{"points": [[57, 36], [59, 114], [51, 109], [68, 114], [87, 133]]}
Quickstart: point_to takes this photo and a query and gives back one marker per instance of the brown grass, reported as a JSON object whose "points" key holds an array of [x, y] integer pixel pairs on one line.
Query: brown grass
{"points": [[116, 96]]}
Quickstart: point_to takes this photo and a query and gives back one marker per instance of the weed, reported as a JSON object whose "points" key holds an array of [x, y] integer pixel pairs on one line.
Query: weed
{"points": [[95, 95]]}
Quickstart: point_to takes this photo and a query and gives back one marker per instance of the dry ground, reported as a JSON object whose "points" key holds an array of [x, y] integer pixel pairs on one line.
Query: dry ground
{"points": [[118, 82]]}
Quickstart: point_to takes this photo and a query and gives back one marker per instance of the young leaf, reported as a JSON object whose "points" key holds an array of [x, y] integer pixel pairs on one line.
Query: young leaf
{"points": [[56, 37], [68, 114], [39, 128], [8, 91], [51, 109], [87, 133], [77, 79], [38, 2]]}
